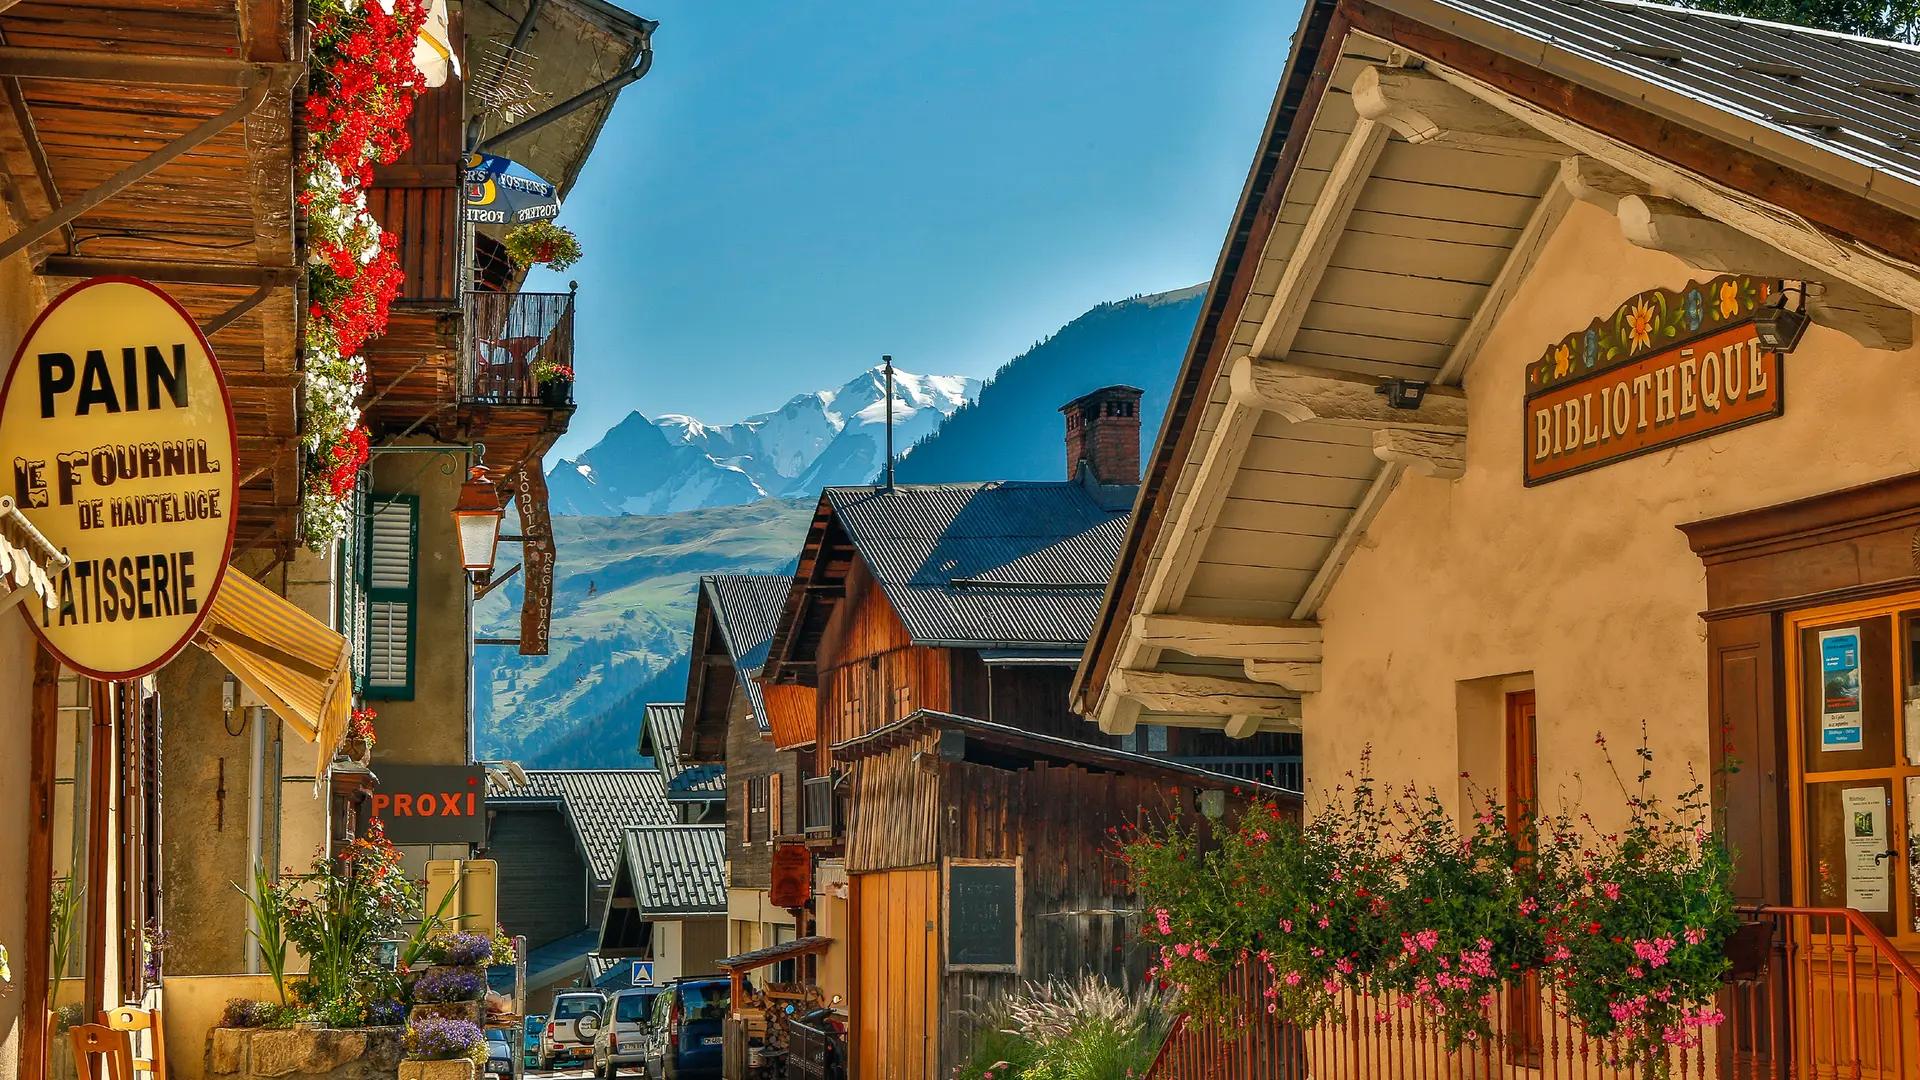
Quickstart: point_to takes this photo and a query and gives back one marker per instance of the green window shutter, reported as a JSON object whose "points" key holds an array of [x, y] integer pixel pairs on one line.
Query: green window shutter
{"points": [[351, 614], [392, 575]]}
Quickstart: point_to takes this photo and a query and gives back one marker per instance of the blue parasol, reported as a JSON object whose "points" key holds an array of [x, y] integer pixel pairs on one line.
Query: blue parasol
{"points": [[498, 196]]}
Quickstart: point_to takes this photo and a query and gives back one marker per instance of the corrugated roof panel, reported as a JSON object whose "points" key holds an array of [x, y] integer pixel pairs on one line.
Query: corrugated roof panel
{"points": [[678, 869], [601, 804], [1012, 563], [1834, 77]]}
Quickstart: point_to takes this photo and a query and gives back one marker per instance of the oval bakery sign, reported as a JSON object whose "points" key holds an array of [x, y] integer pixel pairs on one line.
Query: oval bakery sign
{"points": [[117, 427]]}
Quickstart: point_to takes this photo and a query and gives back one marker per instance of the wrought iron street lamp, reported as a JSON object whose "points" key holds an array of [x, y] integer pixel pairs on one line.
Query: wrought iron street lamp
{"points": [[477, 516]]}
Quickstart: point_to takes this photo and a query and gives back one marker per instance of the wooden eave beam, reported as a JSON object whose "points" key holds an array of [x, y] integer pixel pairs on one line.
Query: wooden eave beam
{"points": [[1237, 639], [1426, 110], [1177, 692], [178, 271], [81, 65], [1702, 242], [1301, 393]]}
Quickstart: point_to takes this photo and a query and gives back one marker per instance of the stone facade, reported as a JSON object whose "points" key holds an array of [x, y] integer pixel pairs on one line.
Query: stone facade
{"points": [[323, 1053]]}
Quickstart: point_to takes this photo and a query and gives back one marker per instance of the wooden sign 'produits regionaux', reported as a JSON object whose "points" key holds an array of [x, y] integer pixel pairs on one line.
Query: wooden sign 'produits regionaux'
{"points": [[1667, 367]]}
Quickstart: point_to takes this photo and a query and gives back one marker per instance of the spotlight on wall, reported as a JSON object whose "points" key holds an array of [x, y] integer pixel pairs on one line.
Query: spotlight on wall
{"points": [[1779, 327], [1402, 393]]}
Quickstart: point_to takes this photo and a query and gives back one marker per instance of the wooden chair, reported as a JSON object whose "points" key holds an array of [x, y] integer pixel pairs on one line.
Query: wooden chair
{"points": [[98, 1040], [128, 1019]]}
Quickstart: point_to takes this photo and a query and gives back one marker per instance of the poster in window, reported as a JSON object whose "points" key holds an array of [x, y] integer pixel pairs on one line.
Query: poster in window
{"points": [[1840, 725], [1864, 823]]}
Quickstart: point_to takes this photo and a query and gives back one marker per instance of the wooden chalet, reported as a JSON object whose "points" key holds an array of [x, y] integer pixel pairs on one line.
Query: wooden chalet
{"points": [[668, 904], [1409, 495], [727, 728], [930, 620]]}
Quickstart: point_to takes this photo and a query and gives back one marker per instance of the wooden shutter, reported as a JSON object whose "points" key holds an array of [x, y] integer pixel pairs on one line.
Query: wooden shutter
{"points": [[1741, 698], [392, 595], [774, 816]]}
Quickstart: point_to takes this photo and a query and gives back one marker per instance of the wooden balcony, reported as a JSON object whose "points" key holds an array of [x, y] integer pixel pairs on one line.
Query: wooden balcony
{"points": [[507, 337]]}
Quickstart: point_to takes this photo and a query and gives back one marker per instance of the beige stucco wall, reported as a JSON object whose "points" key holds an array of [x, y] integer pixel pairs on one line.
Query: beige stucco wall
{"points": [[432, 728], [21, 297], [1583, 586]]}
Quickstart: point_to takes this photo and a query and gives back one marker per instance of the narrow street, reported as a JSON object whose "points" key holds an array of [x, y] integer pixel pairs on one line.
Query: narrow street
{"points": [[1267, 539]]}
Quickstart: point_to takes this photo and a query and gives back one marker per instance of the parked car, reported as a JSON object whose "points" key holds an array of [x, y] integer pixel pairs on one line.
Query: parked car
{"points": [[571, 1026], [688, 1037], [623, 1032], [499, 1054]]}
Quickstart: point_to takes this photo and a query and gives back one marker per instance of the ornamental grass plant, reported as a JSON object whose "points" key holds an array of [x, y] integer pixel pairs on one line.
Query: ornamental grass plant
{"points": [[1085, 1029]]}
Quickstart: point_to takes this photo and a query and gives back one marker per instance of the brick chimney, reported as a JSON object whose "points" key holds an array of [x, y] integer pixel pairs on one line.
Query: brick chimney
{"points": [[1103, 433]]}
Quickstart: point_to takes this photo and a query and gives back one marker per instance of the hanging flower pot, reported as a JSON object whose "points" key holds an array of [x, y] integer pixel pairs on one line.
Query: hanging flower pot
{"points": [[542, 243]]}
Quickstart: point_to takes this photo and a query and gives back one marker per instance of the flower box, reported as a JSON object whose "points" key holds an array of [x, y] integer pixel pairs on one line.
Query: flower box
{"points": [[557, 393], [457, 1069], [329, 1053]]}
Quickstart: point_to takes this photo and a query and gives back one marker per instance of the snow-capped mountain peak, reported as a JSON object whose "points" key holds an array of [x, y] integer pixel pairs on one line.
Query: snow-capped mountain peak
{"points": [[817, 439]]}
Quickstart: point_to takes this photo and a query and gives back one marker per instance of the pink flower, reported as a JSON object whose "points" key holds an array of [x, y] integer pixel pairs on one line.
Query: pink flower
{"points": [[1612, 890]]}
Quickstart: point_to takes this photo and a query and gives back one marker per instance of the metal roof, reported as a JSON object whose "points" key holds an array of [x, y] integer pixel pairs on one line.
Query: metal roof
{"points": [[746, 607], [598, 803], [1051, 747], [678, 869], [1851, 96], [684, 783], [1006, 563]]}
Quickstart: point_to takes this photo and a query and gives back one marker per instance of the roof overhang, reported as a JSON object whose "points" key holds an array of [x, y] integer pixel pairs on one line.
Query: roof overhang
{"points": [[1416, 161]]}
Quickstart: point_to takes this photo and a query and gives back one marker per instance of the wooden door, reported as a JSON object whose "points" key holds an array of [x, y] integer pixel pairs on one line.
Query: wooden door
{"points": [[1524, 1027], [896, 1016], [1853, 708]]}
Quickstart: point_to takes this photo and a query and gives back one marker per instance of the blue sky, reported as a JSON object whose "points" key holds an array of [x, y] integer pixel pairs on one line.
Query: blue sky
{"points": [[798, 188]]}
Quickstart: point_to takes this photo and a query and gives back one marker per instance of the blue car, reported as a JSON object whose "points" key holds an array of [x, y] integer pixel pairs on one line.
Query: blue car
{"points": [[688, 1033]]}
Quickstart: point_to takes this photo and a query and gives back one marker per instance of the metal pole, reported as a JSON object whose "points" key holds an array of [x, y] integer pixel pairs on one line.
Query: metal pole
{"points": [[256, 822], [887, 361]]}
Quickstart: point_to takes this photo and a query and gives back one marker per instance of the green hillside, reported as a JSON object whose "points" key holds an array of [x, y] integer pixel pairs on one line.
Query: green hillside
{"points": [[623, 604]]}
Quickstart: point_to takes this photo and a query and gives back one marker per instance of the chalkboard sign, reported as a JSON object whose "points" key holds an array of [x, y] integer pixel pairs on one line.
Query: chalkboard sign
{"points": [[983, 916]]}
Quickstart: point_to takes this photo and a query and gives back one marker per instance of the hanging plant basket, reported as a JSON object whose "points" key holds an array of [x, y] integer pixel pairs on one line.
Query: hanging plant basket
{"points": [[542, 243]]}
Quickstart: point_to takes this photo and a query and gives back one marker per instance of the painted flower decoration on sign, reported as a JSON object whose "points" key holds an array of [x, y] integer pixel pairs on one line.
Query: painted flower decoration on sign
{"points": [[1729, 299], [1640, 327], [1655, 318]]}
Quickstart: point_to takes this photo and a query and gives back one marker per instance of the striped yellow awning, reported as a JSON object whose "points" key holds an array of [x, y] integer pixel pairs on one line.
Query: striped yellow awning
{"points": [[290, 659]]}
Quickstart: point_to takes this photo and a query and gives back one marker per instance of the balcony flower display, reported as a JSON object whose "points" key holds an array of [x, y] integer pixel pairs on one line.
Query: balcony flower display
{"points": [[1385, 898], [360, 90], [359, 742], [542, 243]]}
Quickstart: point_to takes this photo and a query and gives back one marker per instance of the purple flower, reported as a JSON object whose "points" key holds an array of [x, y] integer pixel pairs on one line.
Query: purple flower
{"points": [[463, 950], [444, 984], [440, 1038]]}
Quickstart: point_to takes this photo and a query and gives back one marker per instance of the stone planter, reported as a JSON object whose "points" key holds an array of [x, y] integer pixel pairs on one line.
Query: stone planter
{"points": [[458, 1069], [329, 1053], [474, 1011]]}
